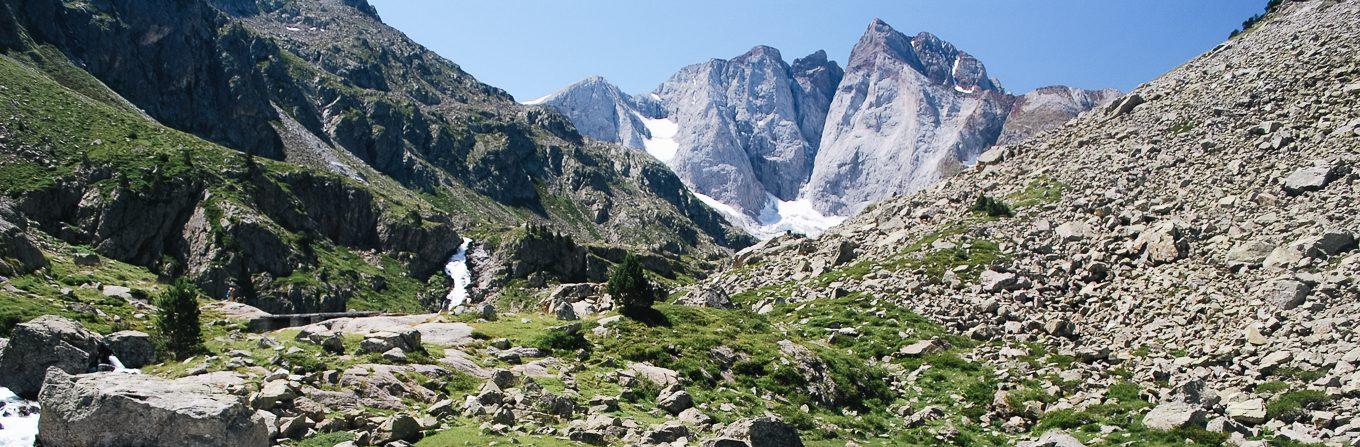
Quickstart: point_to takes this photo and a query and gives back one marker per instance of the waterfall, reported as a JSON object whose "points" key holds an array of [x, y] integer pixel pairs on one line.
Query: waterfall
{"points": [[18, 420], [457, 269]]}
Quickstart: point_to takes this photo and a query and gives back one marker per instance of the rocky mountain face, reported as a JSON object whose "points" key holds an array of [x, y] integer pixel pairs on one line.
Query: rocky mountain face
{"points": [[748, 127], [602, 112], [740, 121], [909, 111], [1049, 107], [1195, 239], [386, 149]]}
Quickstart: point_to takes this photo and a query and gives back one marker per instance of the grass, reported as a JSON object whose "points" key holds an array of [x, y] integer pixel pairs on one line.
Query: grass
{"points": [[1291, 405], [467, 433], [1040, 191], [324, 440]]}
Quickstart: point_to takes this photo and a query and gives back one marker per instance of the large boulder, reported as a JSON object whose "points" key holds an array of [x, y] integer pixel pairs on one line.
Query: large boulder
{"points": [[117, 409], [1161, 243], [1174, 415], [1312, 178], [133, 348], [764, 431], [708, 296], [46, 341]]}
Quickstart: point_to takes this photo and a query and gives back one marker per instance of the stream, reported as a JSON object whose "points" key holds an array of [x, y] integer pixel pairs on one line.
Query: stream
{"points": [[457, 269]]}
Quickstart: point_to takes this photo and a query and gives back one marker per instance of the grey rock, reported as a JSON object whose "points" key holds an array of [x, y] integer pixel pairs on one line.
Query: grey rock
{"points": [[18, 253], [1288, 293], [45, 342], [1174, 415], [1048, 107], [1054, 438], [764, 431], [909, 111], [1312, 178], [133, 348], [104, 409], [398, 427]]}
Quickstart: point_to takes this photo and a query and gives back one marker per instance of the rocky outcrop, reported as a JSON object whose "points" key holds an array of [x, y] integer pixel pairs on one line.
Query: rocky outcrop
{"points": [[47, 342], [112, 408], [910, 111], [18, 253], [1048, 107]]}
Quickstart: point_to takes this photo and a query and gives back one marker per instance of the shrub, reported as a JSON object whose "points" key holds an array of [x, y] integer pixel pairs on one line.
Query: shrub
{"points": [[991, 206], [1294, 404], [177, 320], [561, 340], [629, 286]]}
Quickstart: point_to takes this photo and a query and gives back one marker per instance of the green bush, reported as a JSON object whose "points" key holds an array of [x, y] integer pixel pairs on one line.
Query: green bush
{"points": [[991, 206], [629, 286], [561, 340], [177, 320], [1294, 404]]}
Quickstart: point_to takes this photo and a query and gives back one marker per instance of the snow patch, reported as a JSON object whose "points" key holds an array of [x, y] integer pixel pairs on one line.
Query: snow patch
{"points": [[954, 78], [662, 144], [778, 217], [17, 429], [539, 100], [457, 269]]}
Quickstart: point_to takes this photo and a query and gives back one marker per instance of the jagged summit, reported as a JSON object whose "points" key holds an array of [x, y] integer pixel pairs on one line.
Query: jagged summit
{"points": [[754, 133]]}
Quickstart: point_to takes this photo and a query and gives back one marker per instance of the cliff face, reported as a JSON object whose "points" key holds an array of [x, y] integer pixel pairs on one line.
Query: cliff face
{"points": [[385, 147], [910, 111]]}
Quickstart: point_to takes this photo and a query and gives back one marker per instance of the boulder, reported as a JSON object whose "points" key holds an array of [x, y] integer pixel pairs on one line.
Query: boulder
{"points": [[994, 281], [1251, 411], [18, 253], [1174, 415], [764, 431], [134, 349], [1073, 231], [1289, 293], [46, 341], [674, 400], [399, 427], [1160, 244], [115, 409], [708, 296], [1249, 254], [1312, 178], [1054, 438]]}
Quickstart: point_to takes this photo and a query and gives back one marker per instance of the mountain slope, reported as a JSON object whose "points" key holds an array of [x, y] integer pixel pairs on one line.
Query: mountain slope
{"points": [[1195, 239], [391, 154]]}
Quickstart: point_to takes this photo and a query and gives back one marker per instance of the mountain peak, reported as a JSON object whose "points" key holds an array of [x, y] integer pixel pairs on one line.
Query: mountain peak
{"points": [[762, 51], [879, 26]]}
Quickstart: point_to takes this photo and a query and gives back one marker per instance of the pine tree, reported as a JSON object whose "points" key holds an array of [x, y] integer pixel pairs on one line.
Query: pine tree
{"points": [[629, 286], [177, 321]]}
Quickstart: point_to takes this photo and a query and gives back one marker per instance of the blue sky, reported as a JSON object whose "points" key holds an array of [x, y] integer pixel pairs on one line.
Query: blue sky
{"points": [[534, 47]]}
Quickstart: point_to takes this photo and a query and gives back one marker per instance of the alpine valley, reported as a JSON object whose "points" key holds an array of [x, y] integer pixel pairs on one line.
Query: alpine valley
{"points": [[268, 223]]}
